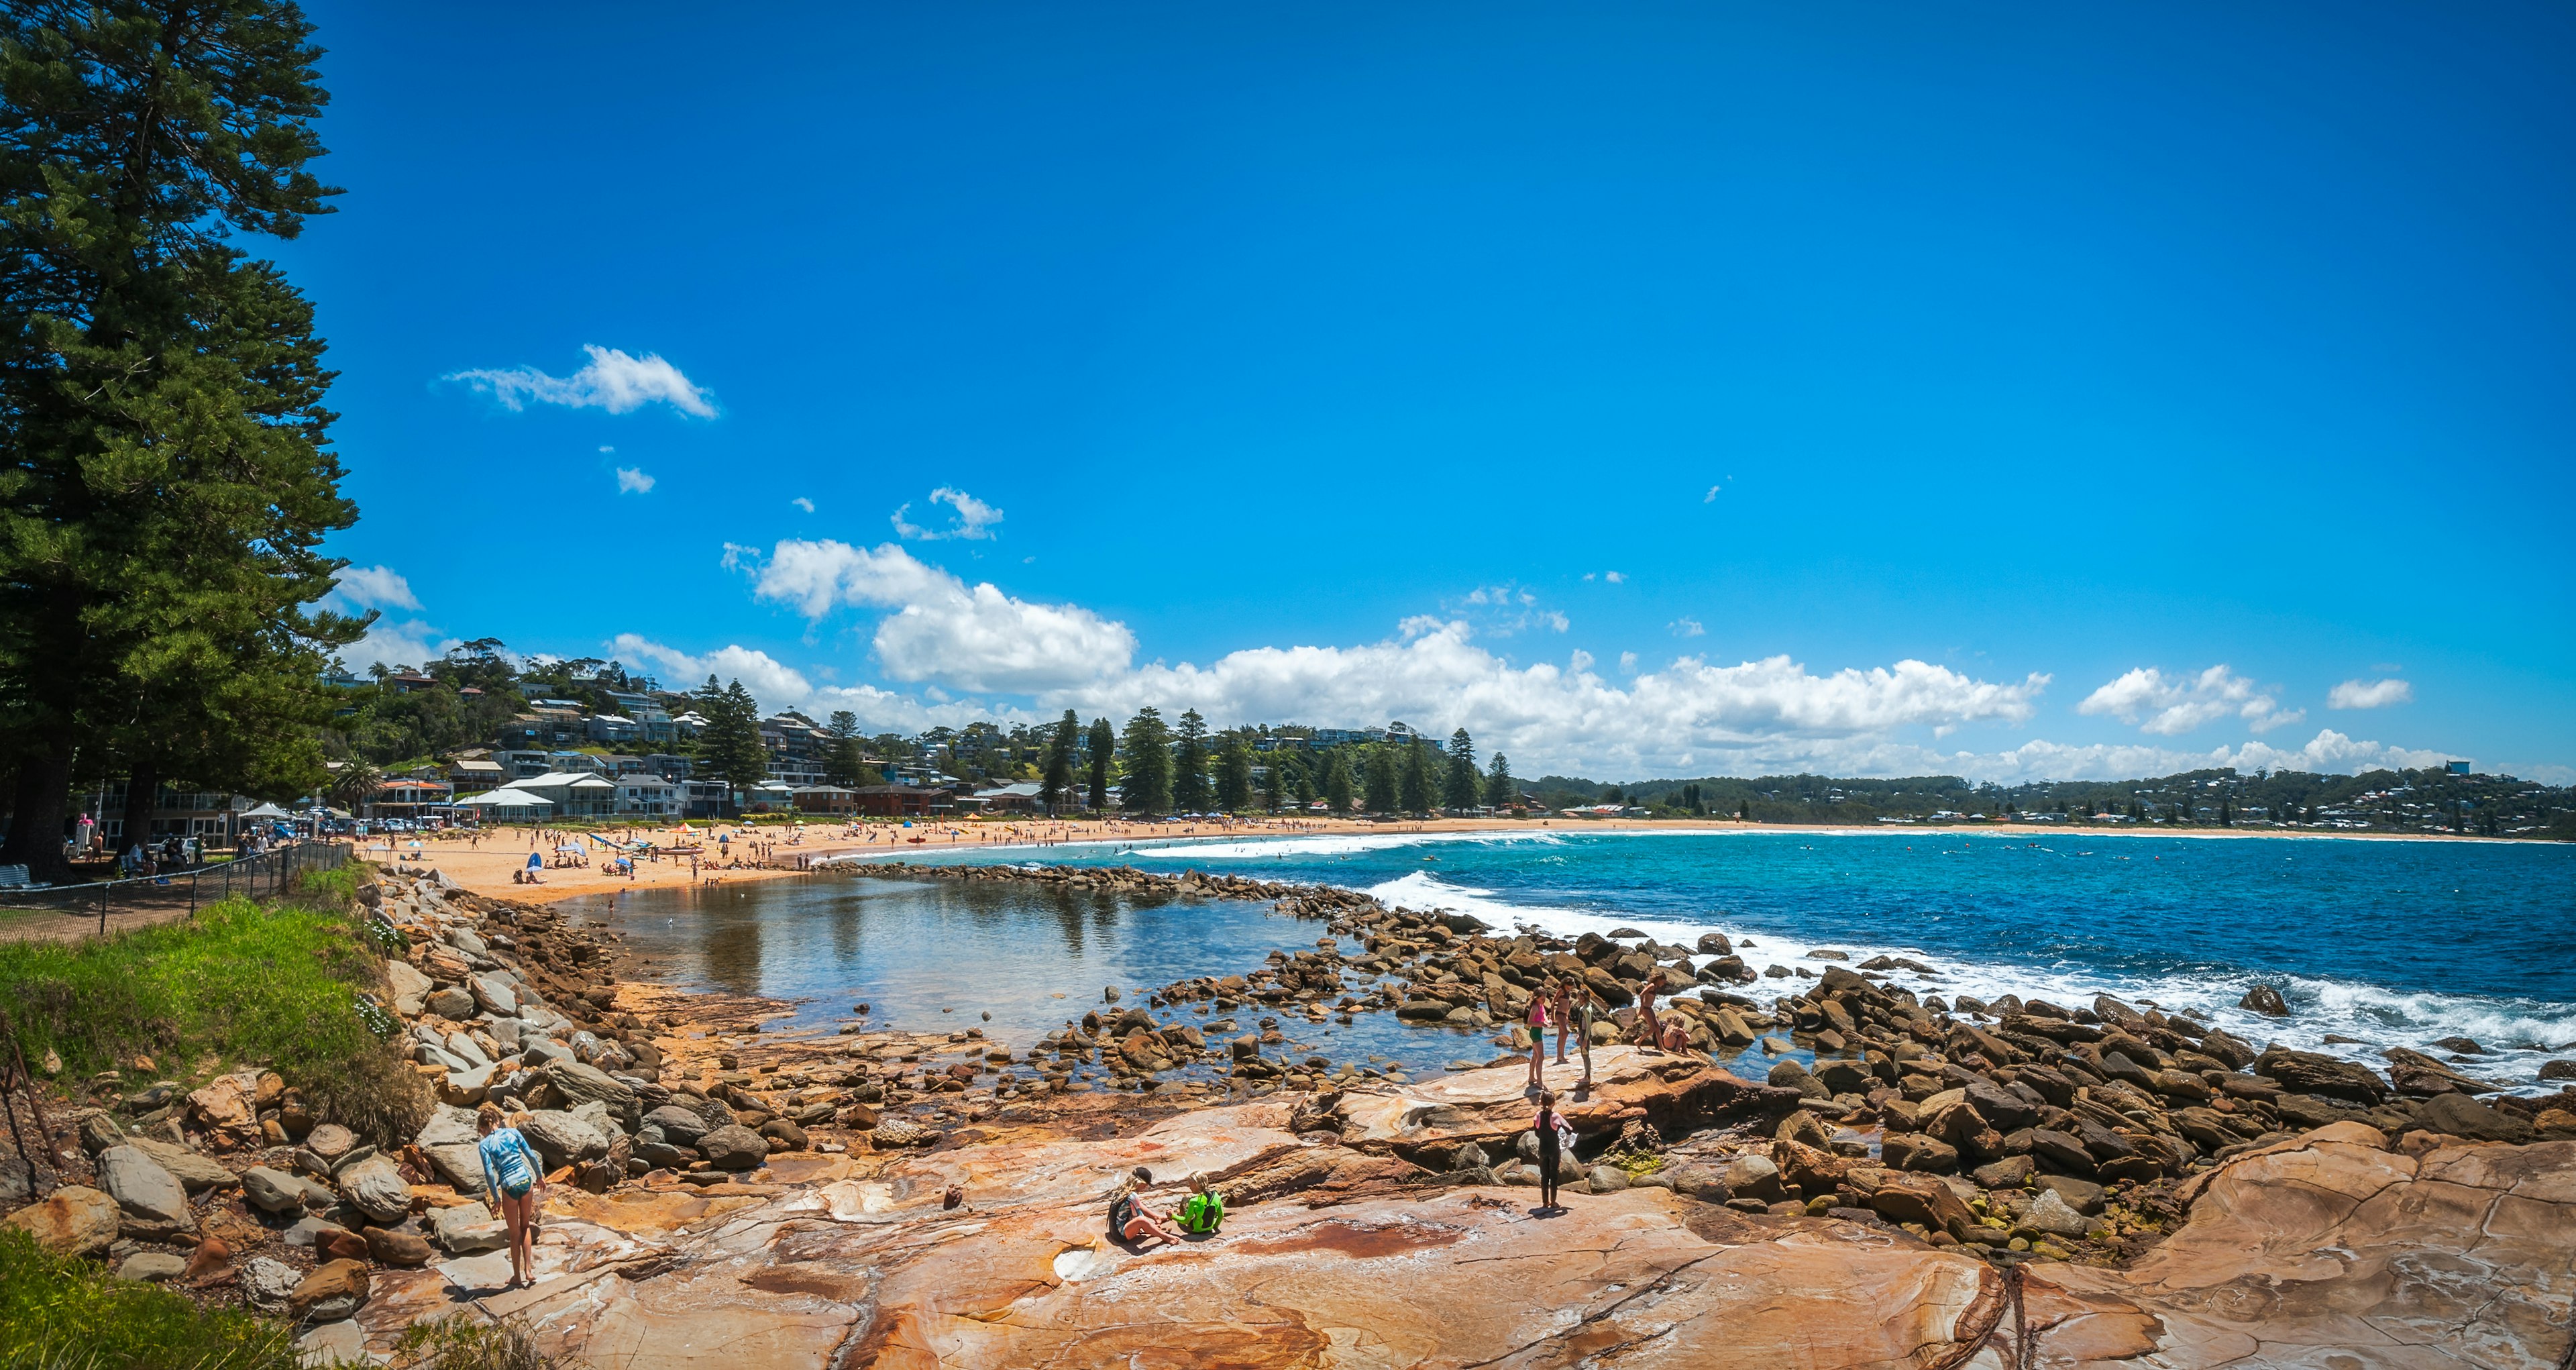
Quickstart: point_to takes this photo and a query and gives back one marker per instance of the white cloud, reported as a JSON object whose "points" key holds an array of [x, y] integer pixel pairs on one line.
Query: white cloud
{"points": [[974, 519], [391, 644], [777, 685], [1613, 577], [974, 637], [1628, 662], [612, 381], [2370, 694], [1687, 626], [1502, 610], [375, 587], [631, 481], [1687, 712], [2329, 752], [2172, 705], [1711, 496], [803, 503]]}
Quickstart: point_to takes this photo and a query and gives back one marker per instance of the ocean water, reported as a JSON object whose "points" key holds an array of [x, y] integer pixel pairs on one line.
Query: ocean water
{"points": [[2388, 943], [2385, 943]]}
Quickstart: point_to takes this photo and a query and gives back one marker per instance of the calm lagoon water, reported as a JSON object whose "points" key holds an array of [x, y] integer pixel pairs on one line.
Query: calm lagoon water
{"points": [[2392, 943]]}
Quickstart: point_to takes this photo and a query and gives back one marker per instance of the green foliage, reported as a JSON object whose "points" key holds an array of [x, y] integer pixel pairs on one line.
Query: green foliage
{"points": [[1234, 776], [1337, 780], [1382, 789], [166, 485], [1145, 791], [1500, 788], [1459, 784], [62, 1313], [1056, 789], [1101, 747], [1189, 765], [730, 748], [1413, 782], [242, 983], [465, 1341]]}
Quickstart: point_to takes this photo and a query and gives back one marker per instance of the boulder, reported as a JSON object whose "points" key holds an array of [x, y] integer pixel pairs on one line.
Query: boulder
{"points": [[1919, 1151], [151, 1267], [2306, 1072], [331, 1141], [1752, 1177], [225, 1109], [2051, 1217], [71, 1221], [195, 1173], [2083, 1196], [1918, 1199], [374, 1187], [561, 1139], [581, 1084], [2012, 1172], [2462, 1116], [99, 1131], [1791, 1075], [680, 1127], [1804, 1128], [735, 1147], [272, 1191], [448, 1140], [2265, 1000], [451, 1003], [2057, 1152], [468, 1227], [145, 1192], [266, 1284], [1607, 1179], [332, 1292], [787, 1135], [495, 993], [393, 1246], [410, 990]]}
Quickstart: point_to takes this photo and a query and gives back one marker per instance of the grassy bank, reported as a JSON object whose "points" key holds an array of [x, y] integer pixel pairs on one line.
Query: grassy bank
{"points": [[239, 984], [57, 1313]]}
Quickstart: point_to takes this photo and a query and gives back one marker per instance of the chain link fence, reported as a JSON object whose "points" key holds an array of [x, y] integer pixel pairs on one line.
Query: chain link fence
{"points": [[95, 908]]}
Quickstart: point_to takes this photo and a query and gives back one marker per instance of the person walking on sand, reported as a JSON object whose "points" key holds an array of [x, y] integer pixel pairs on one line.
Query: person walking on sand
{"points": [[515, 1178], [1551, 1148]]}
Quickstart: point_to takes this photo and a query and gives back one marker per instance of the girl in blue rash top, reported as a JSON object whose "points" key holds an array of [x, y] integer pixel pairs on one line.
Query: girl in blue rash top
{"points": [[516, 1178]]}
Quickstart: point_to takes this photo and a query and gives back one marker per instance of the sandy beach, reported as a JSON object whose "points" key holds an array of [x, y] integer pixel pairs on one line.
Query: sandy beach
{"points": [[486, 861]]}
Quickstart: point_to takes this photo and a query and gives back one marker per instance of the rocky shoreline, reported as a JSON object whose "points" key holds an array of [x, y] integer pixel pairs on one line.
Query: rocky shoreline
{"points": [[728, 1194]]}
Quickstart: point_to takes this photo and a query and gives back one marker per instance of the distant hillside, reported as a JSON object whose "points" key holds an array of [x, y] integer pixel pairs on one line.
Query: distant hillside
{"points": [[2375, 801]]}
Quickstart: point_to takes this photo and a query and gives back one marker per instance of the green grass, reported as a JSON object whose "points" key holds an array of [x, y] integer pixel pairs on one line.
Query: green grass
{"points": [[464, 1341], [239, 984], [57, 1313]]}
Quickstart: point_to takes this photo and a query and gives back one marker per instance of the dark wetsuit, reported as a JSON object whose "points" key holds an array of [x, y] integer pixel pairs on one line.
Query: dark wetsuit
{"points": [[1548, 1156]]}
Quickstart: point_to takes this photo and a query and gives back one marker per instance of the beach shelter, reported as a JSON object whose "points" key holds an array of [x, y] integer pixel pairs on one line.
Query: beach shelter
{"points": [[266, 811], [508, 803]]}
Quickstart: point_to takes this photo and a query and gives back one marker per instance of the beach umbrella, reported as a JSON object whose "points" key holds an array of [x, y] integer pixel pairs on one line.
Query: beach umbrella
{"points": [[536, 862]]}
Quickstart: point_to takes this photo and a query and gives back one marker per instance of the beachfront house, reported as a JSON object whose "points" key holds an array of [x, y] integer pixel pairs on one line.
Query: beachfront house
{"points": [[574, 794], [1019, 797], [901, 801], [648, 795], [476, 776], [413, 797], [832, 799], [705, 799]]}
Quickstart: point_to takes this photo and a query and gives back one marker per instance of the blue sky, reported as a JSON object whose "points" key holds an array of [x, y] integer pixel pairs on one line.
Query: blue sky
{"points": [[1654, 390]]}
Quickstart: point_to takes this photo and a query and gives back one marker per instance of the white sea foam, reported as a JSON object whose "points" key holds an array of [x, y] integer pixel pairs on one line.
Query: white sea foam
{"points": [[2319, 1007]]}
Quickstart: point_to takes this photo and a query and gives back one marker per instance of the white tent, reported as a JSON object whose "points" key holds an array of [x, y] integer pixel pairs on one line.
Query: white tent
{"points": [[267, 811], [506, 799]]}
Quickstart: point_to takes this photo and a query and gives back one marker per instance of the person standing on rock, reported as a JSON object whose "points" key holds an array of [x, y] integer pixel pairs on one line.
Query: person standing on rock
{"points": [[1562, 1008], [1538, 1040], [516, 1178], [1653, 1035], [1551, 1150]]}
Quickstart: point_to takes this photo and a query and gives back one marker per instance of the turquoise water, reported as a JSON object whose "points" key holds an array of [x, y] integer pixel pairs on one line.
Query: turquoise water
{"points": [[2392, 943], [2387, 943]]}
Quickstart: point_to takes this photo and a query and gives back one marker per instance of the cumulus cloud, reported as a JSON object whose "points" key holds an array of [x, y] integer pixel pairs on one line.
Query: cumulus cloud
{"points": [[777, 685], [1687, 626], [803, 503], [2329, 752], [973, 637], [2370, 694], [631, 481], [375, 587], [974, 518], [2172, 705], [1505, 609], [1688, 712], [613, 381]]}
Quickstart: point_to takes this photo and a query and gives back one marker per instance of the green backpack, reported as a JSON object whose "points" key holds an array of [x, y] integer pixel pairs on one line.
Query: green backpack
{"points": [[1202, 1212]]}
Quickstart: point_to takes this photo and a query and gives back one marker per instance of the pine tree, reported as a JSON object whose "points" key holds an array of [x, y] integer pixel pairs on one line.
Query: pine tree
{"points": [[1146, 789], [844, 763], [1056, 790], [1337, 781], [1189, 764], [1744, 810], [1381, 785], [736, 755], [1278, 789], [1459, 785], [1413, 784], [166, 484], [1102, 746], [1500, 790], [1234, 776]]}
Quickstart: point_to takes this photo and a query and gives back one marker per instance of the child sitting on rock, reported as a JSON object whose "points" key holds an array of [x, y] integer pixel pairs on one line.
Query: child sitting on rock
{"points": [[1203, 1209], [1129, 1218]]}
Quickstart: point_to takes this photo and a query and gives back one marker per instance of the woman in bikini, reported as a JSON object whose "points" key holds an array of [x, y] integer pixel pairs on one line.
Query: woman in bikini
{"points": [[1538, 1039]]}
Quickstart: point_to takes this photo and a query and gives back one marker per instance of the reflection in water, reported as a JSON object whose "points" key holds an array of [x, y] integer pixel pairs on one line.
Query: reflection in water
{"points": [[939, 955]]}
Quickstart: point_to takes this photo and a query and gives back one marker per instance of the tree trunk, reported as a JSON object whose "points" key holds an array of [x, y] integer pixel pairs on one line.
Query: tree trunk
{"points": [[36, 818], [142, 789]]}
